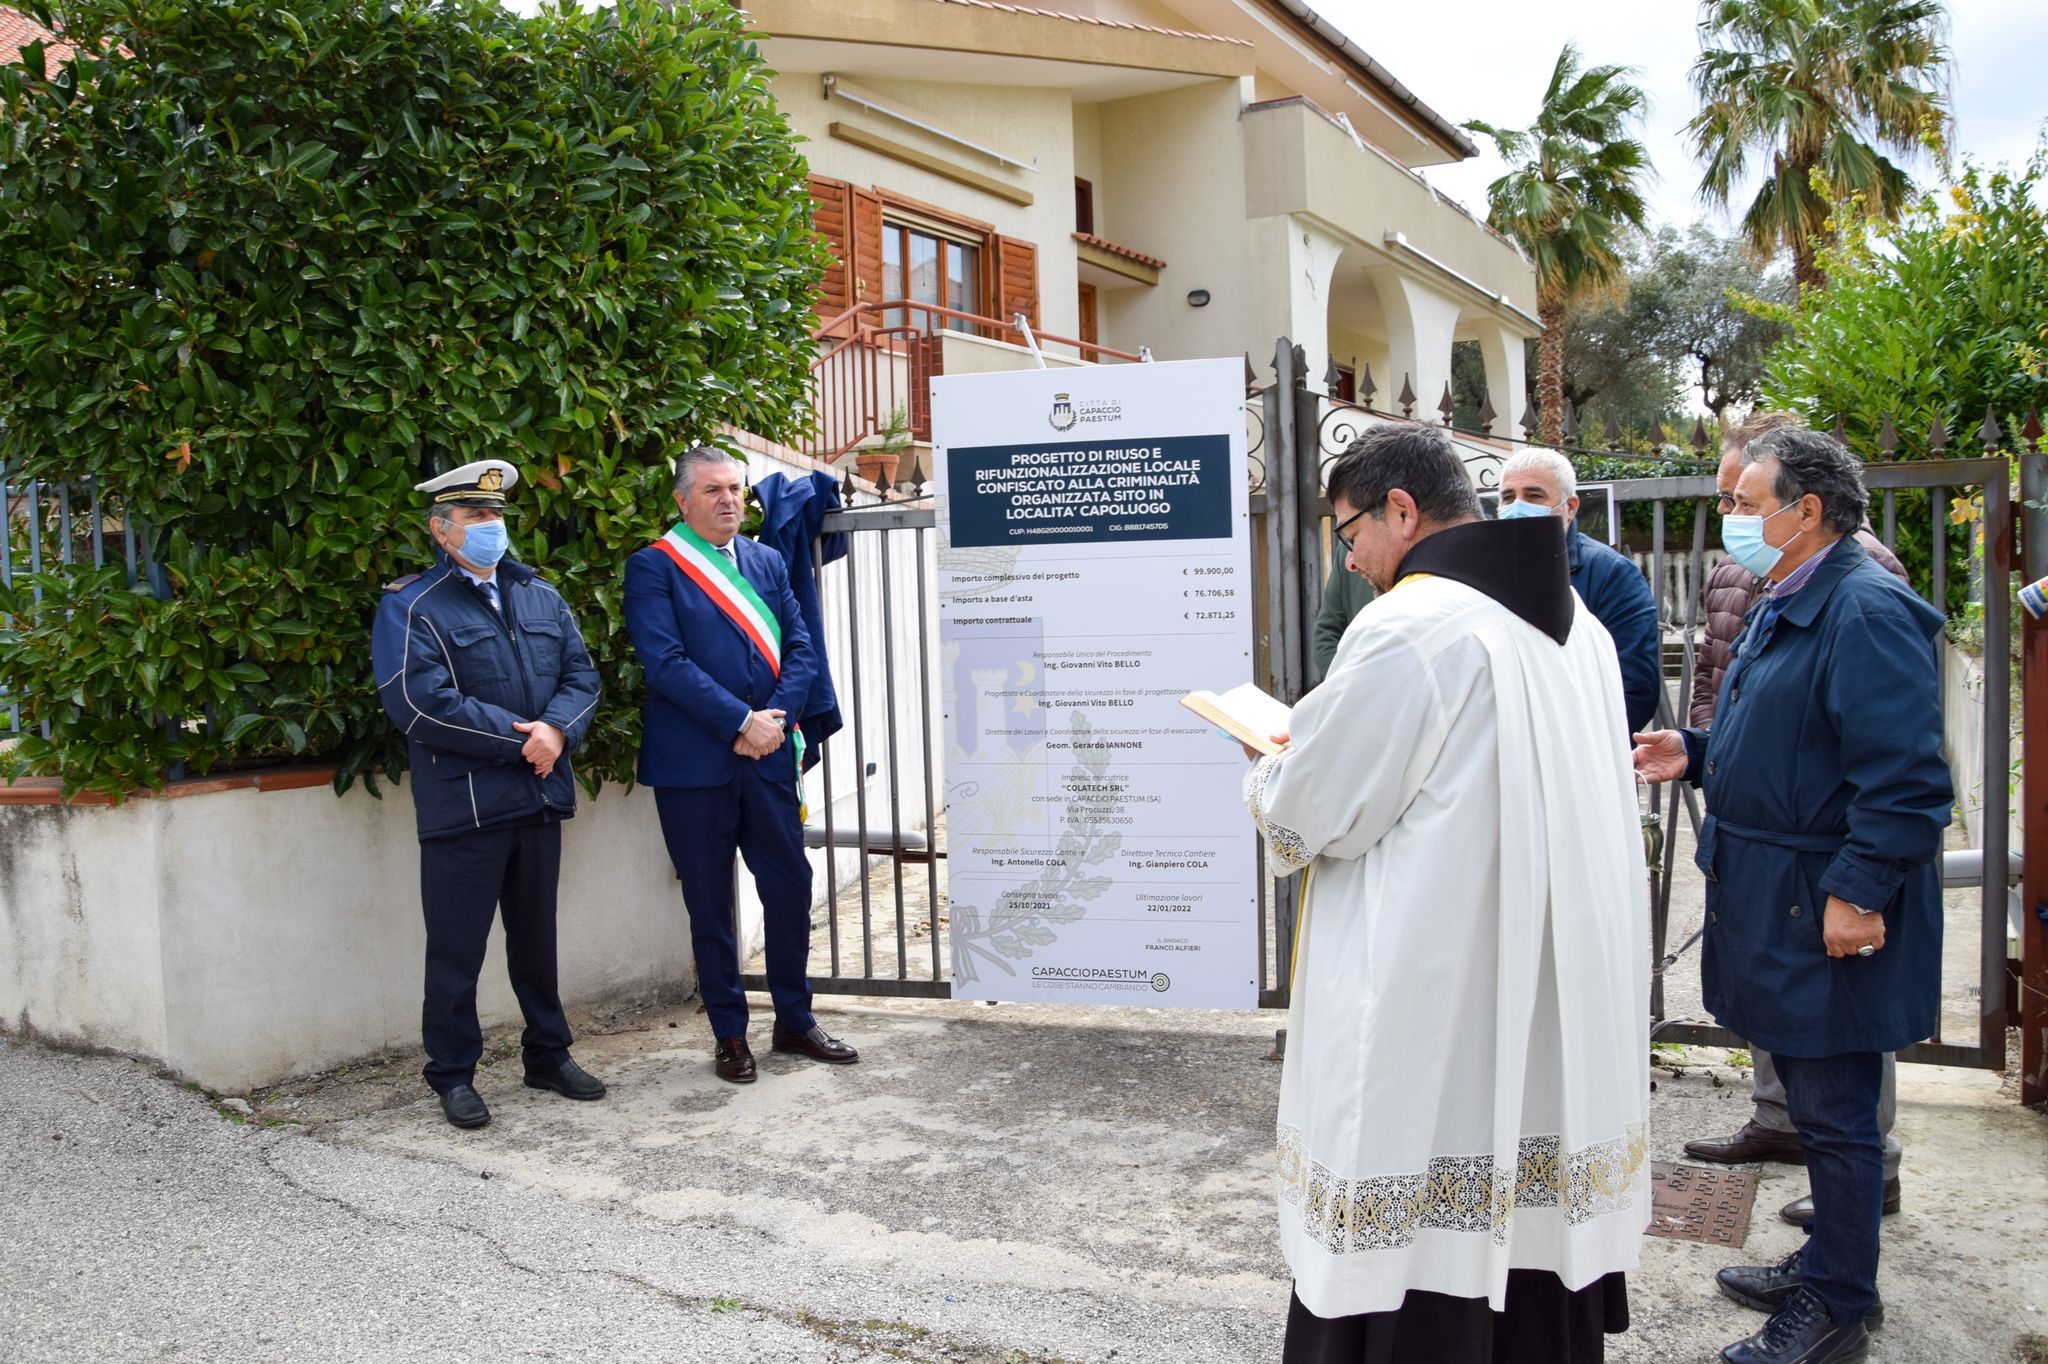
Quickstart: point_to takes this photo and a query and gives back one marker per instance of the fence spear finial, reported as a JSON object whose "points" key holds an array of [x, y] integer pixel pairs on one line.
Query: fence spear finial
{"points": [[1366, 387], [1486, 414], [1887, 437], [1989, 433], [1699, 435], [1447, 407], [1937, 439]]}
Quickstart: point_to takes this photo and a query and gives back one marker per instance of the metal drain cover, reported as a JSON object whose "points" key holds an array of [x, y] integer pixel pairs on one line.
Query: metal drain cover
{"points": [[1700, 1203]]}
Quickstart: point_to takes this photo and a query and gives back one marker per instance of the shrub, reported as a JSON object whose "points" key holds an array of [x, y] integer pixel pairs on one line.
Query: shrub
{"points": [[265, 266]]}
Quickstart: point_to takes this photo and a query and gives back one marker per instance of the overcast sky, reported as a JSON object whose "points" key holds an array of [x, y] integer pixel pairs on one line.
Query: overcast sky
{"points": [[1489, 59]]}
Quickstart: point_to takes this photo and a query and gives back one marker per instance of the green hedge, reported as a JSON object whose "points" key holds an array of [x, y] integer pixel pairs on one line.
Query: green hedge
{"points": [[268, 265]]}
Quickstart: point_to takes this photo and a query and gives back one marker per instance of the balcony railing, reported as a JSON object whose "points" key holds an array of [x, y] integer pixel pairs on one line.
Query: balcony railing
{"points": [[877, 357]]}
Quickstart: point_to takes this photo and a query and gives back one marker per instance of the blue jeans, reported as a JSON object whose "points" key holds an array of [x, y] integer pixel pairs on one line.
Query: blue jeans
{"points": [[1833, 1101]]}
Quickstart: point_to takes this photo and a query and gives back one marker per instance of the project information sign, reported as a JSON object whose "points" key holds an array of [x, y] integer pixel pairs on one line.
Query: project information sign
{"points": [[1094, 567]]}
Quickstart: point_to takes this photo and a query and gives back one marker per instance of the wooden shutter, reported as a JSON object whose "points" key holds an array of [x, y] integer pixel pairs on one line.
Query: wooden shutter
{"points": [[833, 220], [1016, 276], [1088, 326], [865, 218]]}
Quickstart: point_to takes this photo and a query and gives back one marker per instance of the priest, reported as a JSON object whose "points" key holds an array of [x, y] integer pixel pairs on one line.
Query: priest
{"points": [[1462, 1127]]}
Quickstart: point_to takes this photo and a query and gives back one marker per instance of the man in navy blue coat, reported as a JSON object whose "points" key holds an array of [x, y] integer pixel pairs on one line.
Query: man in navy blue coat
{"points": [[729, 667], [1543, 483], [1827, 796], [481, 666]]}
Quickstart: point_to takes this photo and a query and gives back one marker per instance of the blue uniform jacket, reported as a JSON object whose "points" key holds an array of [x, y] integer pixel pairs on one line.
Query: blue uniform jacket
{"points": [[704, 675], [1824, 776], [1618, 595], [453, 675]]}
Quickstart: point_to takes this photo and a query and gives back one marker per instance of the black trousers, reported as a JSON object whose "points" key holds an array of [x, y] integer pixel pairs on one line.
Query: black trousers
{"points": [[464, 881], [1542, 1324]]}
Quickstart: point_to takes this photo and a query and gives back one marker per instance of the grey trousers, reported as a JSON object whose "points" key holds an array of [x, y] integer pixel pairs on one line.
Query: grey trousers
{"points": [[1771, 1112]]}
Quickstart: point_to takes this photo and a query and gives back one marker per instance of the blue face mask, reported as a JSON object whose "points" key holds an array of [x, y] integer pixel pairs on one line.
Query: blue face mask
{"points": [[1743, 538], [1514, 511], [484, 543]]}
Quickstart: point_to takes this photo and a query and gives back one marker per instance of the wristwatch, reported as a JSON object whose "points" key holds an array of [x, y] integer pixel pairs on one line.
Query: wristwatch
{"points": [[1860, 909]]}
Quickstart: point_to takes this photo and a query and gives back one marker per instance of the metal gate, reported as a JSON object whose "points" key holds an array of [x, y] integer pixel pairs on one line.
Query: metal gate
{"points": [[884, 929]]}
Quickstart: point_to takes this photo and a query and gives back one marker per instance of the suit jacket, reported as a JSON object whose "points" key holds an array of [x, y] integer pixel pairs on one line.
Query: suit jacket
{"points": [[703, 674], [1824, 776]]}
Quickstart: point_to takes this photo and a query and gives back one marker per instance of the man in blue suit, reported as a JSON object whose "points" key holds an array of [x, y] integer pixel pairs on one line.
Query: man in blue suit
{"points": [[729, 667], [1827, 795], [1543, 483]]}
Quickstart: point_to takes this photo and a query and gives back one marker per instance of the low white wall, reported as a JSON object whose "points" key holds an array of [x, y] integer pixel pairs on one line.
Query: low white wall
{"points": [[242, 936]]}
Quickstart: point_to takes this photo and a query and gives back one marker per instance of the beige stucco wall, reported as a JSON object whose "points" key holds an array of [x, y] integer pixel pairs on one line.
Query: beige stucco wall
{"points": [[1175, 173], [239, 937], [1298, 161], [1033, 124]]}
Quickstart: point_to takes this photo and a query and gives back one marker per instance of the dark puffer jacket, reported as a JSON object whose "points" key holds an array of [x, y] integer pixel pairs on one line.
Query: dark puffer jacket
{"points": [[1731, 590]]}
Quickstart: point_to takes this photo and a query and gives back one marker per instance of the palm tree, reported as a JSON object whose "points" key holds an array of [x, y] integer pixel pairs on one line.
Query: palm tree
{"points": [[1819, 85], [1572, 191]]}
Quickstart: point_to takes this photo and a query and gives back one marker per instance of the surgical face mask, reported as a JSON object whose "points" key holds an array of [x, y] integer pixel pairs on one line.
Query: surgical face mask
{"points": [[483, 543], [1743, 538], [1516, 510]]}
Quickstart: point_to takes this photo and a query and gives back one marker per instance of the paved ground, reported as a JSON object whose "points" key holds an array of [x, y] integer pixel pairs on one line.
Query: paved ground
{"points": [[991, 1183]]}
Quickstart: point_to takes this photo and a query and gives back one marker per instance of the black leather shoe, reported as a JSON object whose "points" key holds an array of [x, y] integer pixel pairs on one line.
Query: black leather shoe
{"points": [[1801, 1332], [734, 1061], [571, 1081], [1753, 1142], [1767, 1288], [817, 1044], [1800, 1210], [464, 1107]]}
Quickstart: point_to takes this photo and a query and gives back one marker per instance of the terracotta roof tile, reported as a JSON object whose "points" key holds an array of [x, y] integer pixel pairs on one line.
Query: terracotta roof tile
{"points": [[1091, 19], [17, 31], [1103, 244]]}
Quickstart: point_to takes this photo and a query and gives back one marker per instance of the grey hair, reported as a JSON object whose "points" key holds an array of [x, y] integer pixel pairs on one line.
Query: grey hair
{"points": [[1809, 462], [697, 455], [1419, 460], [1545, 461], [440, 511]]}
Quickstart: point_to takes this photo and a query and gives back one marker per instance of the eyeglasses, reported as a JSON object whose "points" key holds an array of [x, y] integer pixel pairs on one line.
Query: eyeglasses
{"points": [[1337, 531], [1726, 503]]}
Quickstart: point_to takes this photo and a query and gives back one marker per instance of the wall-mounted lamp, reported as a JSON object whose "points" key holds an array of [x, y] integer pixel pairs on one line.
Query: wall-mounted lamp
{"points": [[1198, 298]]}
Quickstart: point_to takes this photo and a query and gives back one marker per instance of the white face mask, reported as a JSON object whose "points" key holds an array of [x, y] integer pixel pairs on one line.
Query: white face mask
{"points": [[1515, 511]]}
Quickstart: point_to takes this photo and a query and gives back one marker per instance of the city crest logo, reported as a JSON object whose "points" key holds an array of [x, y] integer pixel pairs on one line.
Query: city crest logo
{"points": [[1062, 418]]}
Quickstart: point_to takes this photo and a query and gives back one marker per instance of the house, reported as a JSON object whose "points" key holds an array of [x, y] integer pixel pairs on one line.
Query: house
{"points": [[17, 31], [1181, 177]]}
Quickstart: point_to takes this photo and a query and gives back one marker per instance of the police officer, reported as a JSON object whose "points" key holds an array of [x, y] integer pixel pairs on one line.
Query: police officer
{"points": [[480, 665]]}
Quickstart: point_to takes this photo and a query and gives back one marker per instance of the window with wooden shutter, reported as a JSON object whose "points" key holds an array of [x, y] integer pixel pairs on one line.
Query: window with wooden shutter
{"points": [[1016, 279], [832, 219], [866, 255]]}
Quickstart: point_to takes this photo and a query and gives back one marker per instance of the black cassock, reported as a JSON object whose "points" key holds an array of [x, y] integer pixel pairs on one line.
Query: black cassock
{"points": [[1541, 1323]]}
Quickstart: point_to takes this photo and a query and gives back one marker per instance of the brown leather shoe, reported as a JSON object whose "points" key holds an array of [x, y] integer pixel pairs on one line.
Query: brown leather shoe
{"points": [[1800, 1210], [817, 1044], [734, 1061], [1753, 1142]]}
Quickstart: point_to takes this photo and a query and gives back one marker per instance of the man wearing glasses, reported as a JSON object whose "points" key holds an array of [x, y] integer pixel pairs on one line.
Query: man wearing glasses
{"points": [[1731, 592]]}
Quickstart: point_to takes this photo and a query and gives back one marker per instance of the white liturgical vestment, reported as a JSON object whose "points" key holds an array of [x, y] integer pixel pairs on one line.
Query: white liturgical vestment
{"points": [[1467, 1075]]}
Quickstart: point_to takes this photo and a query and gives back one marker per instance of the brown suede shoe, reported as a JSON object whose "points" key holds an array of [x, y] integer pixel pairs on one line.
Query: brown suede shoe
{"points": [[1800, 1210], [1753, 1142], [734, 1061], [817, 1044]]}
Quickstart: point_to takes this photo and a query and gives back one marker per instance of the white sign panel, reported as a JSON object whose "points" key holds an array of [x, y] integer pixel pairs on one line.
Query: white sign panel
{"points": [[1094, 567]]}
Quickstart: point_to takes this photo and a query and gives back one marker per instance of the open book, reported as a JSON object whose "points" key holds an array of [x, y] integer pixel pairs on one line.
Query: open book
{"points": [[1245, 713]]}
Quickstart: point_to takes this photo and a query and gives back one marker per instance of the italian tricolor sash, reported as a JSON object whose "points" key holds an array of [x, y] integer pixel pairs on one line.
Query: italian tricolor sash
{"points": [[731, 593], [720, 580]]}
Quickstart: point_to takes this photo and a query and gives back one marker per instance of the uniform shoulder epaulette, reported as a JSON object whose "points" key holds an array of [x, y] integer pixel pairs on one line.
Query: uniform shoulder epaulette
{"points": [[396, 584]]}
